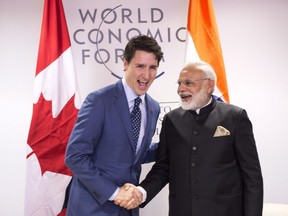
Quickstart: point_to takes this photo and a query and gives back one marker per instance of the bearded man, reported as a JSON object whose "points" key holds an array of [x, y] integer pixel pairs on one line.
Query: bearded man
{"points": [[207, 154]]}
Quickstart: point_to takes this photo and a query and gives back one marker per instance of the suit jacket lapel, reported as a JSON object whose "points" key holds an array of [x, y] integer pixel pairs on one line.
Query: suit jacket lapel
{"points": [[145, 144], [123, 110]]}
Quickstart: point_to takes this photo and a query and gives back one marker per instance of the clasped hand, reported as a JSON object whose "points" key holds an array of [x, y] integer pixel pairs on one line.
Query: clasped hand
{"points": [[129, 196]]}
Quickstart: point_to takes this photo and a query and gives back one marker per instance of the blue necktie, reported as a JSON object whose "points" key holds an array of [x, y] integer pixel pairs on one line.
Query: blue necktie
{"points": [[136, 120]]}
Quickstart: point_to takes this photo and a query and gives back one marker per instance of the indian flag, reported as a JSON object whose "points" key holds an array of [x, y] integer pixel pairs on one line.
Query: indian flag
{"points": [[203, 43]]}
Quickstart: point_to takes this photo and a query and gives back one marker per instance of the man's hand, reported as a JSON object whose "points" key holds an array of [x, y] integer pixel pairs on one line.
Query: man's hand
{"points": [[129, 196]]}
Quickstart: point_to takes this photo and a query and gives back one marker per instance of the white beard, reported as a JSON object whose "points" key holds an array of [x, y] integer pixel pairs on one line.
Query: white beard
{"points": [[198, 100]]}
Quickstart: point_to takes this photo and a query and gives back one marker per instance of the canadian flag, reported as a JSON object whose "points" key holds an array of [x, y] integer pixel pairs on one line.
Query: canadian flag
{"points": [[55, 106], [203, 43]]}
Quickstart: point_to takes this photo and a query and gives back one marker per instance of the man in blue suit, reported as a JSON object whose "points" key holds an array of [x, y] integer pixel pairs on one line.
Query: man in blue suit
{"points": [[101, 152]]}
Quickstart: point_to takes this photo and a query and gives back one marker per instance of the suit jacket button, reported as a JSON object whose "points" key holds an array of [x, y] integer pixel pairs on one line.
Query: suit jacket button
{"points": [[194, 181], [194, 198]]}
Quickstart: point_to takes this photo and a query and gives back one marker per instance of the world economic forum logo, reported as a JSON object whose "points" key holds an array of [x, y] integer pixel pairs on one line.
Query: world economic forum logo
{"points": [[98, 50], [106, 31]]}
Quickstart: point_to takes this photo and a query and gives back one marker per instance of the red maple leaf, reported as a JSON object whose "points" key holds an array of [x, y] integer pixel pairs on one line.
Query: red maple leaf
{"points": [[48, 136]]}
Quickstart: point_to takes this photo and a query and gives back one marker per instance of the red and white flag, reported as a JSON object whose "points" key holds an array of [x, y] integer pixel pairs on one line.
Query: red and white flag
{"points": [[56, 103], [203, 43]]}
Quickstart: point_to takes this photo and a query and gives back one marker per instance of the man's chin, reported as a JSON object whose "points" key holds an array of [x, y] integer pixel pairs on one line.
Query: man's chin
{"points": [[186, 105], [189, 105]]}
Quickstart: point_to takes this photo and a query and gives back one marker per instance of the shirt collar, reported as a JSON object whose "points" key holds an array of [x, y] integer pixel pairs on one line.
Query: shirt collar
{"points": [[198, 110], [130, 94]]}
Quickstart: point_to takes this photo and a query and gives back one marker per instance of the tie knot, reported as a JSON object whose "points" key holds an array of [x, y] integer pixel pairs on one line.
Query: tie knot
{"points": [[137, 101]]}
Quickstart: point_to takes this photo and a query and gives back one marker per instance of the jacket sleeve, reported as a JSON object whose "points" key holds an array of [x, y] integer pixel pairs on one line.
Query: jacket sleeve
{"points": [[82, 143], [248, 160], [157, 177]]}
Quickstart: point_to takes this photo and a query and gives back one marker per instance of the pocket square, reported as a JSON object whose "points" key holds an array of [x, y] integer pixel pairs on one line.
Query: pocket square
{"points": [[221, 131]]}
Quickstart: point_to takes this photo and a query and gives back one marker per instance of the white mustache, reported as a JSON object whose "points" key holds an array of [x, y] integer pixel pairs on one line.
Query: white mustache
{"points": [[184, 94]]}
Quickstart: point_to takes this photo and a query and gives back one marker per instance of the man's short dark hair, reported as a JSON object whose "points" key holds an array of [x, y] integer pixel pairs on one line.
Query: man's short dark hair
{"points": [[144, 43]]}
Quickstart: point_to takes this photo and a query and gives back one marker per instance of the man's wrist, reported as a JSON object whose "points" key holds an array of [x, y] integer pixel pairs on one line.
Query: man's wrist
{"points": [[144, 193]]}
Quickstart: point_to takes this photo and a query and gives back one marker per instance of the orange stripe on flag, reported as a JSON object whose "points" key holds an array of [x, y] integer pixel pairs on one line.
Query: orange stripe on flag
{"points": [[202, 28]]}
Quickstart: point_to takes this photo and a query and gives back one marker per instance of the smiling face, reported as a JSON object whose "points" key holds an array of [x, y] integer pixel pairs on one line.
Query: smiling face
{"points": [[141, 71], [194, 88]]}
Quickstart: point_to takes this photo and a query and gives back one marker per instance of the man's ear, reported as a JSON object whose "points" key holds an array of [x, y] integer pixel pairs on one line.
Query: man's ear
{"points": [[125, 64], [211, 85]]}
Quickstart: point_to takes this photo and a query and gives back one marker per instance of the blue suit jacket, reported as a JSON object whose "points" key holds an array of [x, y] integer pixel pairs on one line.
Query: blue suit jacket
{"points": [[101, 154]]}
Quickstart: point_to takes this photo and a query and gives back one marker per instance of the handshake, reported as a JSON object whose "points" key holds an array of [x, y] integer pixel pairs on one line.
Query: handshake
{"points": [[129, 196]]}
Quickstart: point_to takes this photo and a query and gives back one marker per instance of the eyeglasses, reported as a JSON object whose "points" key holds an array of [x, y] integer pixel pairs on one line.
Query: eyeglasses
{"points": [[190, 83]]}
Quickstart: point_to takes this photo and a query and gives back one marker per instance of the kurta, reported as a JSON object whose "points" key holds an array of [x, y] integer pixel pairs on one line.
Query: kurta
{"points": [[208, 175]]}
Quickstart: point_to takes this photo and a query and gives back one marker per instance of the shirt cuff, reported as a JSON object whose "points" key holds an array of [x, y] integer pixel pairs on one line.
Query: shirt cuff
{"points": [[114, 194], [144, 193]]}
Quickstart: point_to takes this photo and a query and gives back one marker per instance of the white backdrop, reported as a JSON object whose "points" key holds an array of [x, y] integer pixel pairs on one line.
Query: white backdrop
{"points": [[255, 48]]}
